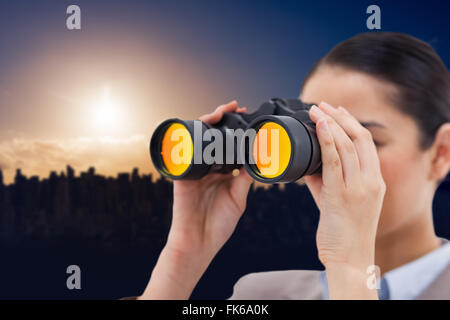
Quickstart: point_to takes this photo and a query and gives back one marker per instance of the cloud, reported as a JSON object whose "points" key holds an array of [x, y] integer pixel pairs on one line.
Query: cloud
{"points": [[40, 156]]}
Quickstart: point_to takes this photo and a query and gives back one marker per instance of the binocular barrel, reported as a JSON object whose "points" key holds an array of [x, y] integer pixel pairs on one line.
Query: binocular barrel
{"points": [[276, 143]]}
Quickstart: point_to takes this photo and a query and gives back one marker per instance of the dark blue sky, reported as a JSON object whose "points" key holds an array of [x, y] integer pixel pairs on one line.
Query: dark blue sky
{"points": [[262, 48]]}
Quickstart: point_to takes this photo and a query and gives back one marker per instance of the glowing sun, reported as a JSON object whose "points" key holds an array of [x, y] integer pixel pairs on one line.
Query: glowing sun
{"points": [[106, 111]]}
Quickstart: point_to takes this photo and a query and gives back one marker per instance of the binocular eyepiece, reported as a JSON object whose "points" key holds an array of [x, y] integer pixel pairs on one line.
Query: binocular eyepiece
{"points": [[277, 143]]}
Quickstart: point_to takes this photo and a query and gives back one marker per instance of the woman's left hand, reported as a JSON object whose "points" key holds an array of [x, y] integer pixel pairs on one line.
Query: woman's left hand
{"points": [[349, 194]]}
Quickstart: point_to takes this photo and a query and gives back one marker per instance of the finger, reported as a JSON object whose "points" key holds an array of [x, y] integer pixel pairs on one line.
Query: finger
{"points": [[332, 175], [347, 154], [228, 107], [215, 116], [240, 186], [361, 137], [345, 147]]}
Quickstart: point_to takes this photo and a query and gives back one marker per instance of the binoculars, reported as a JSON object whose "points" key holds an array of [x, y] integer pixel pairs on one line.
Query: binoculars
{"points": [[277, 143]]}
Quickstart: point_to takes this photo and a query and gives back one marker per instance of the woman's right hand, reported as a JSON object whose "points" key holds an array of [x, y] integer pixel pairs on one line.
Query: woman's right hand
{"points": [[206, 211], [205, 214]]}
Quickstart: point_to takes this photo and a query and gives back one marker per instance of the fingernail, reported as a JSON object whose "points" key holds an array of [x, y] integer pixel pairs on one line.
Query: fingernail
{"points": [[317, 112], [343, 109], [323, 125]]}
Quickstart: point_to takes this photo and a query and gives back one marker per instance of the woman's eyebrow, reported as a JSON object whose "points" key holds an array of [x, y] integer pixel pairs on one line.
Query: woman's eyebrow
{"points": [[371, 124]]}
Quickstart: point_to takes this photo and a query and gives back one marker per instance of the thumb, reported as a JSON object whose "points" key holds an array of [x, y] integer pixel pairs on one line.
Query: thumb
{"points": [[314, 184], [239, 188]]}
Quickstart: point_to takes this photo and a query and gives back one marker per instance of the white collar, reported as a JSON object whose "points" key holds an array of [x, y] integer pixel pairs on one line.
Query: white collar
{"points": [[408, 281]]}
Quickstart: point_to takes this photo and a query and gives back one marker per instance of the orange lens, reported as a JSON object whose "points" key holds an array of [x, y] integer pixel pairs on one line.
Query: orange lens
{"points": [[271, 150], [177, 149]]}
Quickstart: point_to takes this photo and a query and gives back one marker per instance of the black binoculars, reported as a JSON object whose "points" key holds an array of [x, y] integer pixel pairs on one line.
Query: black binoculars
{"points": [[276, 143]]}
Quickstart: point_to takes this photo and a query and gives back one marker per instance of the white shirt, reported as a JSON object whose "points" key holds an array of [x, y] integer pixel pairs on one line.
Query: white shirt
{"points": [[408, 281]]}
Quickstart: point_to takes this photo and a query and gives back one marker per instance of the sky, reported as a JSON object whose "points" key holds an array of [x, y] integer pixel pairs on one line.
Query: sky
{"points": [[92, 97]]}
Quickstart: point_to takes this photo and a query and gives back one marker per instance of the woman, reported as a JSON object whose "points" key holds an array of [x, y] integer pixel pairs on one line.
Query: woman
{"points": [[383, 156]]}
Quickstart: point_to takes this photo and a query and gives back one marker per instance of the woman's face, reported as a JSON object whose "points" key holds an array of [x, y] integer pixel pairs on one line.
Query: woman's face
{"points": [[404, 166]]}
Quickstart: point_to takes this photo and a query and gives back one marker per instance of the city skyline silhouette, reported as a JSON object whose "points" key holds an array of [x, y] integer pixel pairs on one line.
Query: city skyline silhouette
{"points": [[115, 228]]}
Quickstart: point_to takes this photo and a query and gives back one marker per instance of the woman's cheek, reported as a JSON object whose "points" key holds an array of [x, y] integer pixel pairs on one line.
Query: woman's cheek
{"points": [[396, 168]]}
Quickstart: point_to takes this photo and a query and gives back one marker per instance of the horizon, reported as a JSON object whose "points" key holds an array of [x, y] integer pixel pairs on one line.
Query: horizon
{"points": [[155, 176]]}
